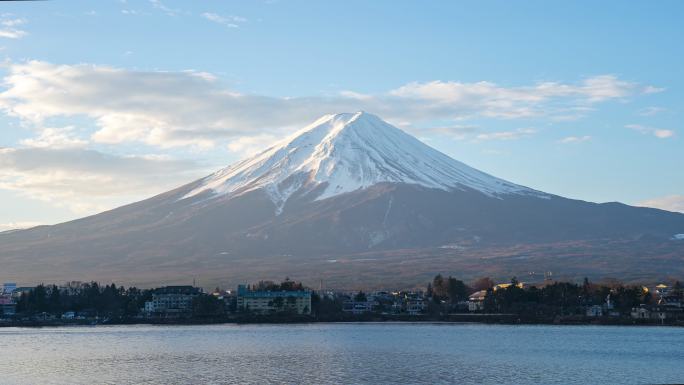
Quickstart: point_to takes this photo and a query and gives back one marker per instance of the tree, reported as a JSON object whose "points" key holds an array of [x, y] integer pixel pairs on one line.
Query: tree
{"points": [[439, 287], [55, 300], [456, 290], [484, 283], [360, 297], [38, 299], [278, 303], [677, 289], [207, 306]]}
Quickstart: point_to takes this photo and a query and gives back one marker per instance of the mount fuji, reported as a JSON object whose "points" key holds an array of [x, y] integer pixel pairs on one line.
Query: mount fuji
{"points": [[355, 202]]}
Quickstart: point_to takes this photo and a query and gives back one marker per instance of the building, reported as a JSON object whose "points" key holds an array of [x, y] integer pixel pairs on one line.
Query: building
{"points": [[412, 303], [671, 299], [7, 306], [358, 307], [172, 301], [8, 288], [657, 312], [69, 315], [415, 306], [16, 294], [381, 296], [519, 285], [269, 302], [666, 312], [662, 289], [476, 300], [641, 312], [595, 311]]}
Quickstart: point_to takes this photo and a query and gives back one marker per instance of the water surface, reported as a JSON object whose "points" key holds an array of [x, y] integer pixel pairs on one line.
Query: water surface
{"points": [[383, 353]]}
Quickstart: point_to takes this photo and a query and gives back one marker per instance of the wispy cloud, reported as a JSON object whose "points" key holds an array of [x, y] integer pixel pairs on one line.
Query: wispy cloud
{"points": [[87, 181], [10, 28], [650, 111], [507, 135], [169, 109], [250, 145], [18, 225], [657, 132], [653, 90], [56, 138], [575, 139], [670, 203], [229, 21], [157, 4], [454, 131]]}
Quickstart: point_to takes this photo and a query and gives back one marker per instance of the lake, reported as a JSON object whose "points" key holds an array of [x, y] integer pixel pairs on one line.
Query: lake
{"points": [[359, 353]]}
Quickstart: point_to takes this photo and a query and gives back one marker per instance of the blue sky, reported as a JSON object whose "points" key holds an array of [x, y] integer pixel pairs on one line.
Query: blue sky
{"points": [[104, 103]]}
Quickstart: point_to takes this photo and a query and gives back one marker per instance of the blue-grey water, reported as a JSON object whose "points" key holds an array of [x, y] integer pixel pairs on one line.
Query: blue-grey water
{"points": [[382, 353]]}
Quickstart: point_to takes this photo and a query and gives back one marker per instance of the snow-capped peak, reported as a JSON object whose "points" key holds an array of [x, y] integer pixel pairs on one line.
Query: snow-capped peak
{"points": [[347, 152]]}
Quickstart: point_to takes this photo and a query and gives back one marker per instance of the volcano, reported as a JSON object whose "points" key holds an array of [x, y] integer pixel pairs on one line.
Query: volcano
{"points": [[355, 202]]}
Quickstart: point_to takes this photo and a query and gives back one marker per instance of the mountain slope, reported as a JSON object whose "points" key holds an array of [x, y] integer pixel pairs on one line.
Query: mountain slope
{"points": [[349, 197]]}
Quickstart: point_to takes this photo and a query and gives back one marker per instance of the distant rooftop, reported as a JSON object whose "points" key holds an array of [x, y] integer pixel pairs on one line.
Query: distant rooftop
{"points": [[244, 292], [185, 289]]}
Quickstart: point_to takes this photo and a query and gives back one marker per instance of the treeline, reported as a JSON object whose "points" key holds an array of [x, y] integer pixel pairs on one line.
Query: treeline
{"points": [[563, 298], [286, 285], [448, 289], [556, 298], [444, 295], [453, 290], [90, 297]]}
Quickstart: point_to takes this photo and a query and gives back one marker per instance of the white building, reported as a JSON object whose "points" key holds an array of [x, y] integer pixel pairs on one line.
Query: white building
{"points": [[476, 300], [172, 301]]}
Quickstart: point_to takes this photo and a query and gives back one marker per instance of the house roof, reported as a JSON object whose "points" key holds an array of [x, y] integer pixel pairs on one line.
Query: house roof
{"points": [[187, 289]]}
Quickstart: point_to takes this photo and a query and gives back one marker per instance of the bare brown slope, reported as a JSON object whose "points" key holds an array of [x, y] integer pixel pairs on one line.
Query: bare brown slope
{"points": [[388, 233]]}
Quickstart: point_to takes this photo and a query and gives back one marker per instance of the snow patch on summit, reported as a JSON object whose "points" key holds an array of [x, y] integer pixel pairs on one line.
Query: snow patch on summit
{"points": [[345, 152]]}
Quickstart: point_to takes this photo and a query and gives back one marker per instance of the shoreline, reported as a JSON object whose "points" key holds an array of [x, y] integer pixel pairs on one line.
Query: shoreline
{"points": [[494, 319]]}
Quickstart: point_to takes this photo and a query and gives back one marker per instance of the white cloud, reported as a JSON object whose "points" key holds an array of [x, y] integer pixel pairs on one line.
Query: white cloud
{"points": [[653, 90], [55, 138], [657, 132], [663, 133], [650, 111], [10, 28], [250, 145], [355, 95], [670, 203], [454, 131], [18, 225], [87, 181], [162, 7], [575, 139], [514, 102], [507, 135], [229, 21], [170, 109]]}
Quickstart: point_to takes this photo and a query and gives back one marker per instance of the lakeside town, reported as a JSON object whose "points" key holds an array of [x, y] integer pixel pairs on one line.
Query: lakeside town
{"points": [[444, 299]]}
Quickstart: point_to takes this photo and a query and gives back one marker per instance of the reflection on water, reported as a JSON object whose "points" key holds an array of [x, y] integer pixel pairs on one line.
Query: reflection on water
{"points": [[342, 354]]}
